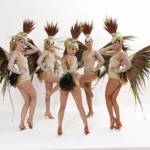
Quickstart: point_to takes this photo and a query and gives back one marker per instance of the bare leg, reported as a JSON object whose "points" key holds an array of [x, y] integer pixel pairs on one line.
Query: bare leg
{"points": [[78, 99], [111, 87], [24, 108], [115, 104], [63, 101], [89, 100], [85, 78], [28, 88], [48, 87]]}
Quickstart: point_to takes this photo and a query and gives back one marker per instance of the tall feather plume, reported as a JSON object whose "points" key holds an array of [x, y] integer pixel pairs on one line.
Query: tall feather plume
{"points": [[51, 29], [75, 30], [110, 25], [87, 27], [28, 26]]}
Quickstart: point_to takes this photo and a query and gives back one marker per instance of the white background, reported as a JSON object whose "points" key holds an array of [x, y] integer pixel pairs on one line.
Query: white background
{"points": [[133, 19]]}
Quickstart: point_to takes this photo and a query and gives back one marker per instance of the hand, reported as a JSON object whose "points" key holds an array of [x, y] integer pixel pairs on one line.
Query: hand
{"points": [[23, 70]]}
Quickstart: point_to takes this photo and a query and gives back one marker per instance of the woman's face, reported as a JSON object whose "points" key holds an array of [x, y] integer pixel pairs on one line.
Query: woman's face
{"points": [[49, 46], [89, 43], [21, 43], [72, 51], [117, 45]]}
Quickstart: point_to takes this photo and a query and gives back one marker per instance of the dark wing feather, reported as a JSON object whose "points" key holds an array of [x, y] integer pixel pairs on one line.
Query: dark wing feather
{"points": [[32, 59], [136, 75]]}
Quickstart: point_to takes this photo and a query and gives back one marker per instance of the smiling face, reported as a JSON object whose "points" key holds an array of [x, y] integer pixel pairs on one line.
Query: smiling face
{"points": [[72, 50], [20, 43], [89, 43], [117, 44], [49, 46]]}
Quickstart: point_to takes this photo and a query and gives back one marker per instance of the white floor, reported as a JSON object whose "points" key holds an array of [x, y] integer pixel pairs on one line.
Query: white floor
{"points": [[135, 133]]}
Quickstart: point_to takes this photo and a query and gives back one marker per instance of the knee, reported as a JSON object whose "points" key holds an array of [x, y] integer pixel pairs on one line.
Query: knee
{"points": [[62, 107], [107, 96]]}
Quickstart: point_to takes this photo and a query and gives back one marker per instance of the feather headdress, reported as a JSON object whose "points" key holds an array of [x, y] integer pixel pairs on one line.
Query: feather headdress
{"points": [[51, 31], [87, 29]]}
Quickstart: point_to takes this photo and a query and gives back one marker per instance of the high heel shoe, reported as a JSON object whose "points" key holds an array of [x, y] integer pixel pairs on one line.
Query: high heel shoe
{"points": [[59, 131], [48, 115], [113, 121], [118, 125], [29, 122], [22, 127], [90, 115], [86, 130]]}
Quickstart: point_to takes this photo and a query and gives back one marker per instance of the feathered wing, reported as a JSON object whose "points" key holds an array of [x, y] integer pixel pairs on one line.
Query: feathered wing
{"points": [[4, 72], [79, 53], [140, 69]]}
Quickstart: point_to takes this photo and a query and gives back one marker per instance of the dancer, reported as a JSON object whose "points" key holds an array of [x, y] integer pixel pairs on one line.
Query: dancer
{"points": [[89, 57], [70, 80], [23, 82], [48, 71], [114, 84]]}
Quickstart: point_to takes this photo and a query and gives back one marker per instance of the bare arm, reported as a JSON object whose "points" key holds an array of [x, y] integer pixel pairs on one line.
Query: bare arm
{"points": [[40, 59], [30, 51], [11, 64], [127, 63], [106, 51], [73, 65]]}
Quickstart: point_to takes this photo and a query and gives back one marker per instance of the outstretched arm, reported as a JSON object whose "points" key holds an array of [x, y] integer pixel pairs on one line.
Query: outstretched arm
{"points": [[40, 59], [30, 51], [11, 64]]}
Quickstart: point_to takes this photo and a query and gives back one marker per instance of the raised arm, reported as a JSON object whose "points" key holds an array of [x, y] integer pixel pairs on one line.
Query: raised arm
{"points": [[11, 64], [106, 51], [127, 64], [40, 59], [30, 51]]}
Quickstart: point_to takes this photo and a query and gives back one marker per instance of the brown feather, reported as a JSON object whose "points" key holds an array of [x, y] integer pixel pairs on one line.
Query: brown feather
{"points": [[75, 30], [51, 29], [87, 28], [110, 25], [28, 26]]}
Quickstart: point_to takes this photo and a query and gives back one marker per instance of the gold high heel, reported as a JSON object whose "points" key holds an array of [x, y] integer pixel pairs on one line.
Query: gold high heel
{"points": [[59, 131], [29, 122], [86, 130], [22, 128], [48, 115], [90, 115], [112, 123]]}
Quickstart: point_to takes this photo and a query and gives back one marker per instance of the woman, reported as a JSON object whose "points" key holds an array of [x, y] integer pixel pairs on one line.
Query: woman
{"points": [[89, 57], [24, 83], [69, 65], [49, 58], [114, 83]]}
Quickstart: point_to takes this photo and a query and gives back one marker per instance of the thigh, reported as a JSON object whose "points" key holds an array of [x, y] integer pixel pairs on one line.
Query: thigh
{"points": [[111, 86], [52, 78], [87, 78], [24, 94], [28, 87], [63, 98]]}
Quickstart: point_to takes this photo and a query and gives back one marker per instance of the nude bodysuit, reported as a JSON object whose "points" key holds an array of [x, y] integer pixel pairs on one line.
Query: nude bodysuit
{"points": [[113, 63], [89, 61], [50, 61], [22, 62]]}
